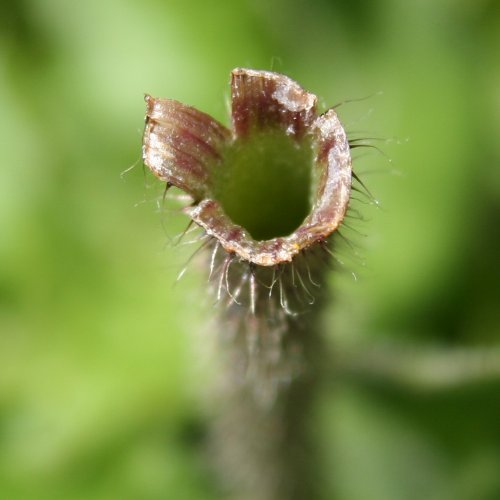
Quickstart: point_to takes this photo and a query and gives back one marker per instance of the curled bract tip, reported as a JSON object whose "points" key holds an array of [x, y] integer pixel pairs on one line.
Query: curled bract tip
{"points": [[189, 149]]}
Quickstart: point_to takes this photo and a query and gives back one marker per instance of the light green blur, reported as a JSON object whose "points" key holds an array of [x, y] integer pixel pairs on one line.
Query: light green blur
{"points": [[105, 363]]}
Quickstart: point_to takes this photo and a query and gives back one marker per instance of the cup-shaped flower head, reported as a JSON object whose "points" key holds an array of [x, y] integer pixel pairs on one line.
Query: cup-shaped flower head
{"points": [[275, 184]]}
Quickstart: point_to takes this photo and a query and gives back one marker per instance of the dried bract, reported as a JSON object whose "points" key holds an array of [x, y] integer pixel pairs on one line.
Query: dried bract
{"points": [[191, 150]]}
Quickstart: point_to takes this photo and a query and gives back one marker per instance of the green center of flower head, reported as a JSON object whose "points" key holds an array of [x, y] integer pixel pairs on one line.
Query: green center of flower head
{"points": [[264, 183]]}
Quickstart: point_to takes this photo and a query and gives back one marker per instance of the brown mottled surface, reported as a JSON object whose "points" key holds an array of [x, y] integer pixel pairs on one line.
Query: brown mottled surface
{"points": [[182, 145]]}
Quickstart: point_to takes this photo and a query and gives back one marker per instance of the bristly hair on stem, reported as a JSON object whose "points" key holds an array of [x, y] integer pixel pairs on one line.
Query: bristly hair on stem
{"points": [[268, 196]]}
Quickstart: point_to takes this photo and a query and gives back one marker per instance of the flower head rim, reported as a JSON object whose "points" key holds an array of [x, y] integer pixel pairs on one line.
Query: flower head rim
{"points": [[182, 146]]}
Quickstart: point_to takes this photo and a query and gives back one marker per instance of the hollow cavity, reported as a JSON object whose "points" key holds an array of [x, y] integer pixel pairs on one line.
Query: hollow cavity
{"points": [[264, 184]]}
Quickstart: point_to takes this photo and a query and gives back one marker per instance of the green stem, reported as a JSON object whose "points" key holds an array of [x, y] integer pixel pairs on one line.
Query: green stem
{"points": [[271, 365]]}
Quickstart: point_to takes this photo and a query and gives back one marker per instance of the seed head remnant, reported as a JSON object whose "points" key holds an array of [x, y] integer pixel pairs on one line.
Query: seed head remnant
{"points": [[268, 191]]}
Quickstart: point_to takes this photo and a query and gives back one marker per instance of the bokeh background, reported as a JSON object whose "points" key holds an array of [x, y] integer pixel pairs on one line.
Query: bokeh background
{"points": [[103, 369]]}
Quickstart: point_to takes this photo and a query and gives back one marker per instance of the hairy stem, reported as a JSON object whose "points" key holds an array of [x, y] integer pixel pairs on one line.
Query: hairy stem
{"points": [[271, 365]]}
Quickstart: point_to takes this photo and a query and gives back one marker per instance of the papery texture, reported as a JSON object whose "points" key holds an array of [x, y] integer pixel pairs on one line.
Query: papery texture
{"points": [[262, 99], [182, 145]]}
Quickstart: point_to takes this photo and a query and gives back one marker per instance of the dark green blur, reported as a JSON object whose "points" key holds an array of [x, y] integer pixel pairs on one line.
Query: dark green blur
{"points": [[104, 371], [264, 184]]}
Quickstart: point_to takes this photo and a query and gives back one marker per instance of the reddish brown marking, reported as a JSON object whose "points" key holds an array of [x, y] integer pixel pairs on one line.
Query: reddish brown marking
{"points": [[260, 100]]}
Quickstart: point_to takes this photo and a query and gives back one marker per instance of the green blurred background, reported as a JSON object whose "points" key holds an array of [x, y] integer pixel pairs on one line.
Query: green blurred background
{"points": [[103, 362]]}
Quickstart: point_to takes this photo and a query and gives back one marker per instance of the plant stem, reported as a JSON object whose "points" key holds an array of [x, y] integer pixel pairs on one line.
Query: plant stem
{"points": [[271, 366]]}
